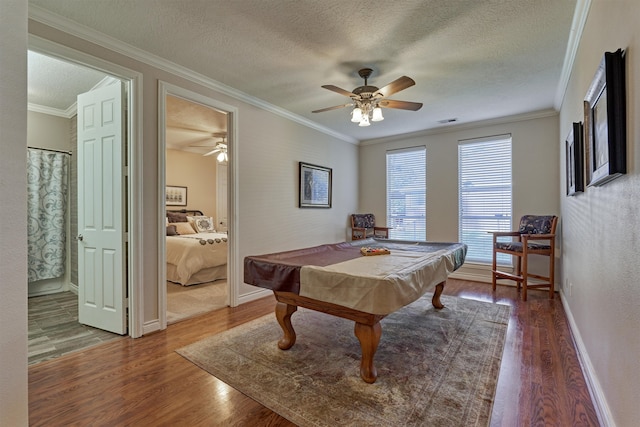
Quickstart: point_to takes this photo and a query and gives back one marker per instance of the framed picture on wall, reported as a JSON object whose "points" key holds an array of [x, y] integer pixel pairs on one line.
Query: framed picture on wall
{"points": [[605, 124], [575, 160], [315, 186], [175, 196]]}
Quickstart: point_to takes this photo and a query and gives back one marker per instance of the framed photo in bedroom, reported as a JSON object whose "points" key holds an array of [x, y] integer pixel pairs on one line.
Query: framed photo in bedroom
{"points": [[605, 124], [175, 196], [314, 186], [575, 160]]}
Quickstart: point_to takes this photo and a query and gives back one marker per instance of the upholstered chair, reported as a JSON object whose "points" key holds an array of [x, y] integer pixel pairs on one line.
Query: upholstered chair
{"points": [[364, 225], [535, 236]]}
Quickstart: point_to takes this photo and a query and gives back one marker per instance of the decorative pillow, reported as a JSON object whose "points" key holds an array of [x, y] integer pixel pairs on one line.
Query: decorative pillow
{"points": [[177, 217], [203, 224], [171, 230], [183, 228]]}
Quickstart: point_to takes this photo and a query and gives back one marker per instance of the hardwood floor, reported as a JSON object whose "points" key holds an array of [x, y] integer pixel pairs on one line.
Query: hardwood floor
{"points": [[143, 382]]}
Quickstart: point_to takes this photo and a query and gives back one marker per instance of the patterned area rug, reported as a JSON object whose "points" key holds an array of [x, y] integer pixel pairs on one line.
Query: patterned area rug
{"points": [[435, 367]]}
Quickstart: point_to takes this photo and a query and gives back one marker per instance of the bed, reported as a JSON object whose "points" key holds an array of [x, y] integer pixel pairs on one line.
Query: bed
{"points": [[339, 279], [196, 257]]}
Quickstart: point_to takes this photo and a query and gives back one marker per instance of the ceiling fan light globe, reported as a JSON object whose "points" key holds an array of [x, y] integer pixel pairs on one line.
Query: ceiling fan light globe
{"points": [[356, 115], [364, 122], [221, 157], [377, 115]]}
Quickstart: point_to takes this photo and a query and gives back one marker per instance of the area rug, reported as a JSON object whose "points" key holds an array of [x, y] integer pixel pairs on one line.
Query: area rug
{"points": [[435, 367]]}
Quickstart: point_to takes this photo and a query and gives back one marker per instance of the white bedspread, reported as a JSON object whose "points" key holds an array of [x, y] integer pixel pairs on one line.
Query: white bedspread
{"points": [[190, 256], [378, 284]]}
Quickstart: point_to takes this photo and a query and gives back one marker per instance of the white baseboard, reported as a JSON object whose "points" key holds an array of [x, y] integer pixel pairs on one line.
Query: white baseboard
{"points": [[595, 389], [474, 272], [152, 326], [252, 296]]}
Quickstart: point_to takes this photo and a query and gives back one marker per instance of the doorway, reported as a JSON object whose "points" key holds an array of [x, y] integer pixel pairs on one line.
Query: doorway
{"points": [[91, 68], [196, 243], [198, 131]]}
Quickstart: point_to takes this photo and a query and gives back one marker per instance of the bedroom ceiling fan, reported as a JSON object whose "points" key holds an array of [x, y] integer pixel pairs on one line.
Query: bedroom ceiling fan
{"points": [[368, 101], [220, 147]]}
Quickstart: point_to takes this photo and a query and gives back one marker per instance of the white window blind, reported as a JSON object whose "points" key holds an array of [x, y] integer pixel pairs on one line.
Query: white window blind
{"points": [[484, 192], [407, 193]]}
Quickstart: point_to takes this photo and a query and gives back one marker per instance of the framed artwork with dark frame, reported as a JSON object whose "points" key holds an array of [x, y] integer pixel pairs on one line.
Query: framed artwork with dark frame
{"points": [[605, 124], [314, 186], [575, 160], [175, 196]]}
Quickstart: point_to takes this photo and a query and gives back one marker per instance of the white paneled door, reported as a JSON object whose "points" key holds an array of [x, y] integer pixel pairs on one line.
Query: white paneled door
{"points": [[101, 215]]}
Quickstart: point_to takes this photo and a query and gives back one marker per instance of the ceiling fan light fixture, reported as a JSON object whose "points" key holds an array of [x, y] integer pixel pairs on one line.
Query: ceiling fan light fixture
{"points": [[222, 157], [368, 100], [356, 115], [376, 115]]}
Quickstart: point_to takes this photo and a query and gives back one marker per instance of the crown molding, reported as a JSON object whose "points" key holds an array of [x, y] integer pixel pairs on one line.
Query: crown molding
{"points": [[58, 22], [464, 126], [67, 114], [575, 34], [73, 108]]}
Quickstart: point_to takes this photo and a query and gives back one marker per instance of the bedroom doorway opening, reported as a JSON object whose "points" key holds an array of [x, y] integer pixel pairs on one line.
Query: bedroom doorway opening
{"points": [[60, 80], [196, 159]]}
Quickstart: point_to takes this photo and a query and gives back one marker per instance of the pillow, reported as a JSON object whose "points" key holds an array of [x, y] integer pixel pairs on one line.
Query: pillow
{"points": [[177, 217], [171, 230], [183, 228], [203, 224]]}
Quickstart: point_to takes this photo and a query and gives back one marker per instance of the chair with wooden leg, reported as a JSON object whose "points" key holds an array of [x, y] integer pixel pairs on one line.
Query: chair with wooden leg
{"points": [[535, 236], [364, 226]]}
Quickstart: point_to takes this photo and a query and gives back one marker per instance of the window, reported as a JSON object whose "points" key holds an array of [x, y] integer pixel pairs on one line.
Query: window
{"points": [[407, 193], [484, 195]]}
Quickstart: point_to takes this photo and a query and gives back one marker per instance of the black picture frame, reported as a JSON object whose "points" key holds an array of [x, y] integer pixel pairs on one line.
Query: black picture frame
{"points": [[314, 186], [605, 121], [175, 196], [575, 160]]}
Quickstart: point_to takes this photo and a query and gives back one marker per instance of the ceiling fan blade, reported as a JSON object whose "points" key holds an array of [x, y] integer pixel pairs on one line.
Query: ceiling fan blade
{"points": [[212, 152], [402, 105], [339, 90], [332, 108], [395, 86], [203, 140]]}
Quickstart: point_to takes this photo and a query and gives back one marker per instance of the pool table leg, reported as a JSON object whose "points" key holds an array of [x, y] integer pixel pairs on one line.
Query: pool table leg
{"points": [[369, 337], [435, 300], [283, 314]]}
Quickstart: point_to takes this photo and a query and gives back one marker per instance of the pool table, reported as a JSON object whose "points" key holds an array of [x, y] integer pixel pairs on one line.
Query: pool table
{"points": [[340, 280]]}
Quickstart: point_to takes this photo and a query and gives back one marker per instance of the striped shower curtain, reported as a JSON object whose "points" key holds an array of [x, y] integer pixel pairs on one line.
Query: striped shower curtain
{"points": [[47, 183]]}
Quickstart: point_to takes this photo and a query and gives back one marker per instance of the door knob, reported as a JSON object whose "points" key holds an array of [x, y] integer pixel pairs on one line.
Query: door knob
{"points": [[79, 238]]}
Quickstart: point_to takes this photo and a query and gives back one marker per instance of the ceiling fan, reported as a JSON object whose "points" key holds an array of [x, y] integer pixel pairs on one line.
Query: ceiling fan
{"points": [[220, 147], [368, 100]]}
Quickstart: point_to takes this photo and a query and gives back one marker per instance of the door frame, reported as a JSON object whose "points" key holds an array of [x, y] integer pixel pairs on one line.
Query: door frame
{"points": [[233, 274], [133, 83]]}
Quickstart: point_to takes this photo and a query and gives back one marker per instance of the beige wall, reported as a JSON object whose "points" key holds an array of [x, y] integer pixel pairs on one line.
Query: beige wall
{"points": [[535, 173], [13, 185], [198, 174], [601, 227], [47, 131]]}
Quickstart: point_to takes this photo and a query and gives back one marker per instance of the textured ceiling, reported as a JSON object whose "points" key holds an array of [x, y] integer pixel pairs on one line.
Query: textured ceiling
{"points": [[471, 59], [55, 84], [192, 126]]}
